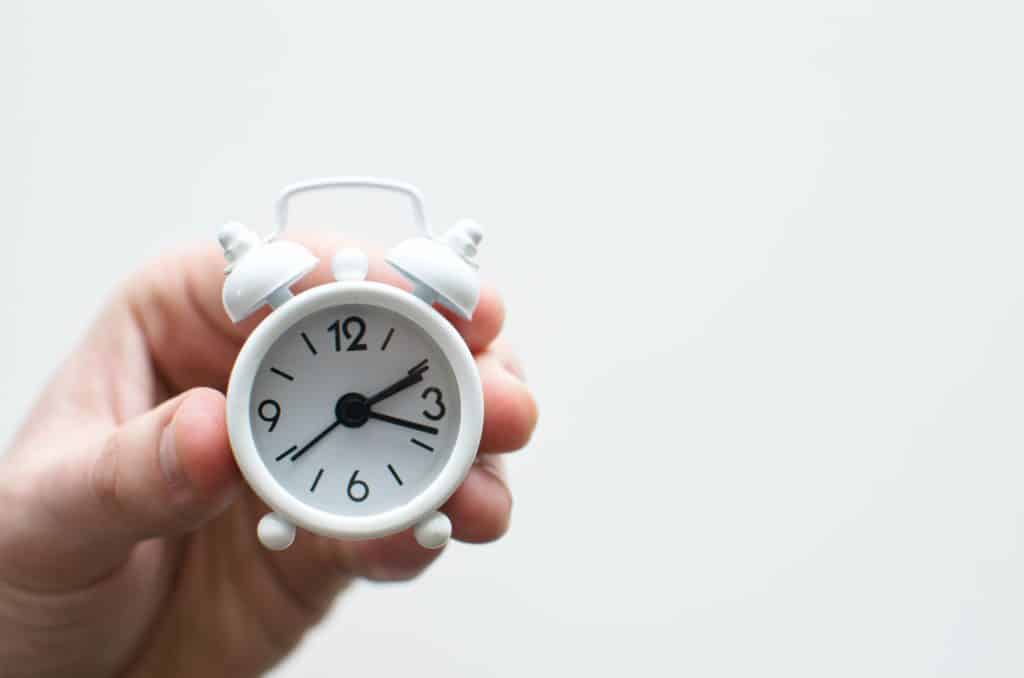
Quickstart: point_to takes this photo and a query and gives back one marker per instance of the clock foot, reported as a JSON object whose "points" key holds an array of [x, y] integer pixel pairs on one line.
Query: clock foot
{"points": [[275, 532], [433, 531]]}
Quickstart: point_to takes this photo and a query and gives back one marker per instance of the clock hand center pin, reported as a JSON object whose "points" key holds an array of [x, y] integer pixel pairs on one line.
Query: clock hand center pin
{"points": [[353, 409]]}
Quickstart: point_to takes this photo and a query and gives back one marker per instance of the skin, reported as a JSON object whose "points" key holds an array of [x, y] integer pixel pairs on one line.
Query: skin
{"points": [[128, 539]]}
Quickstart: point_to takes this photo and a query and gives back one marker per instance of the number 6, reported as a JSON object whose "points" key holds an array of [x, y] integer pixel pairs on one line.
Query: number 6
{"points": [[352, 482]]}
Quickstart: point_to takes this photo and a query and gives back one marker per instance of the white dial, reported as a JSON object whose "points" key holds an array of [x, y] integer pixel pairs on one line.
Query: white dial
{"points": [[354, 410]]}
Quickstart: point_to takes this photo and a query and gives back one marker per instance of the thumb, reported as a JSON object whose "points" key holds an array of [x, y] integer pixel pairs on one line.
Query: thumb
{"points": [[165, 472]]}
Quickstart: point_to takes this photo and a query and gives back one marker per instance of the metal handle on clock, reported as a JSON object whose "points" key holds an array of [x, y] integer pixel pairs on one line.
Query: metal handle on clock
{"points": [[408, 190]]}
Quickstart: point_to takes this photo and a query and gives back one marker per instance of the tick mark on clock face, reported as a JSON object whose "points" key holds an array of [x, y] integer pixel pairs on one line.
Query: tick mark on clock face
{"points": [[394, 473], [316, 480], [426, 447], [309, 344], [281, 373], [387, 339], [286, 453]]}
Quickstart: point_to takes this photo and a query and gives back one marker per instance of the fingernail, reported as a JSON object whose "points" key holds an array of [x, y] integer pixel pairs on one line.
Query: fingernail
{"points": [[170, 464]]}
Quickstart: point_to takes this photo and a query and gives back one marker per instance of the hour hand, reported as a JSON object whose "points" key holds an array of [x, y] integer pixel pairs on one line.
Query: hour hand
{"points": [[414, 376], [423, 428]]}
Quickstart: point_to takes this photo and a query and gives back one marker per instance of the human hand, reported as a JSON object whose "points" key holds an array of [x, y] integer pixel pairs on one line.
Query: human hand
{"points": [[127, 538]]}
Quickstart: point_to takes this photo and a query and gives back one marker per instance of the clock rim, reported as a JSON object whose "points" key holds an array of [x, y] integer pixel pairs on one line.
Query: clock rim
{"points": [[239, 398]]}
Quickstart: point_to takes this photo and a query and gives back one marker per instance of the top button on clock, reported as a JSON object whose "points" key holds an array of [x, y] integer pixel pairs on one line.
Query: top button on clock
{"points": [[350, 264]]}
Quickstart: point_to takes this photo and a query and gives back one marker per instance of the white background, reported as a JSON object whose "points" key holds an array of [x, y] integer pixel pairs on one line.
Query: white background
{"points": [[763, 261]]}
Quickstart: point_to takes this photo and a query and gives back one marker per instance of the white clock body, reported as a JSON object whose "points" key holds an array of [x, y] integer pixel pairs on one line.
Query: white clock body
{"points": [[355, 408], [371, 479]]}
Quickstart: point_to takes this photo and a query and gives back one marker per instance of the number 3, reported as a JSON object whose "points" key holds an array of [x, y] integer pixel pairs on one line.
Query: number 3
{"points": [[437, 401]]}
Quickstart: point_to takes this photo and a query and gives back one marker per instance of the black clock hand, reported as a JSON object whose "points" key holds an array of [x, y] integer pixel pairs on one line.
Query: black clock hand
{"points": [[404, 422], [314, 441], [414, 377], [353, 409]]}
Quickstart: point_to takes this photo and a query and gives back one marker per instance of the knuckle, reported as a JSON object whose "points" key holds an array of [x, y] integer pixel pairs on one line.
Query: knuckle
{"points": [[529, 415], [118, 498], [500, 311]]}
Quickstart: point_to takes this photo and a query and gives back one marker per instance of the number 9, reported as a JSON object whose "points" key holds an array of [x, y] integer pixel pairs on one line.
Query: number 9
{"points": [[273, 416]]}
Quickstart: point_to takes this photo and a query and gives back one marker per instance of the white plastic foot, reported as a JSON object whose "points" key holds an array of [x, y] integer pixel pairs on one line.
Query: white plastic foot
{"points": [[275, 532], [433, 531]]}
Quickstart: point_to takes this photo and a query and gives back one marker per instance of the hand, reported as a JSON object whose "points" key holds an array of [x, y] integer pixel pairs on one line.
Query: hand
{"points": [[127, 538]]}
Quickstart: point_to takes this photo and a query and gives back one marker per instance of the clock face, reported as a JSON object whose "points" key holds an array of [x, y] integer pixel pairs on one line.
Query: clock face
{"points": [[355, 410]]}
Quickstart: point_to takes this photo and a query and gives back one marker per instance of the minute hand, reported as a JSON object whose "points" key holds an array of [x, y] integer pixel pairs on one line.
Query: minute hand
{"points": [[320, 436], [415, 376]]}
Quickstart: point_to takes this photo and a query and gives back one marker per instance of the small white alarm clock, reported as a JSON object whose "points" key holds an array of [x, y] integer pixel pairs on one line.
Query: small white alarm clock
{"points": [[355, 408]]}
